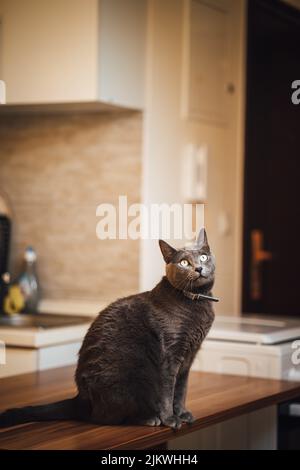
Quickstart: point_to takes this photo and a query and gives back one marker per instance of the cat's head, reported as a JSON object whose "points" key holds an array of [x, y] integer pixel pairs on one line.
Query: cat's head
{"points": [[190, 268]]}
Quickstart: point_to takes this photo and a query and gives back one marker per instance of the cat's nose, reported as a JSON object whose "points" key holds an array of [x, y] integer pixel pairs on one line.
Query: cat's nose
{"points": [[199, 270]]}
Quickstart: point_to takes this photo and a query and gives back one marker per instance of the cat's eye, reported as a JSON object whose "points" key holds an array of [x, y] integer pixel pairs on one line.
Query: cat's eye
{"points": [[184, 263], [203, 258]]}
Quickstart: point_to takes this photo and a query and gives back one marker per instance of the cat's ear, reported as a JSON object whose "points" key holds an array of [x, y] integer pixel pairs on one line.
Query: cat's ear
{"points": [[202, 238], [167, 251]]}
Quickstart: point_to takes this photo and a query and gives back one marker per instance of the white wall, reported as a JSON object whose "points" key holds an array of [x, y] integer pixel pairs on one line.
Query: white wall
{"points": [[166, 133]]}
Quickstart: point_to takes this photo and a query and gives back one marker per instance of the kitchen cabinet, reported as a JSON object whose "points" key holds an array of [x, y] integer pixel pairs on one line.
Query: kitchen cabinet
{"points": [[72, 53], [208, 60], [38, 342], [23, 360]]}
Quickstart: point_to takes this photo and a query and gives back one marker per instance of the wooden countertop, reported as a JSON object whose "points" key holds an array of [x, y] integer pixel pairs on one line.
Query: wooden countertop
{"points": [[212, 398]]}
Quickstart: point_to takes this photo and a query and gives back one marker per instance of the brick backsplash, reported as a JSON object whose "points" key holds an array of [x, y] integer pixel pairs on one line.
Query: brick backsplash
{"points": [[56, 169]]}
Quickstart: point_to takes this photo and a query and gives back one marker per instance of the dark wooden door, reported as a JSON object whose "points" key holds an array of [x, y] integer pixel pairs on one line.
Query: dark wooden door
{"points": [[271, 277]]}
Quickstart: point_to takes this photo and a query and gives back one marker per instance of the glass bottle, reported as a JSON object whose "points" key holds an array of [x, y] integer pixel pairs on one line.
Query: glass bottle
{"points": [[28, 281]]}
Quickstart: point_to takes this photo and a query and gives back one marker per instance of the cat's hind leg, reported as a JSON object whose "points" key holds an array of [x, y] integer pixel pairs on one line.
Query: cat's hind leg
{"points": [[109, 409]]}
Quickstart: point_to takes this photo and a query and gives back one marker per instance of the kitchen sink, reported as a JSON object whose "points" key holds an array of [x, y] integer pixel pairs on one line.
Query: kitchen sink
{"points": [[42, 320]]}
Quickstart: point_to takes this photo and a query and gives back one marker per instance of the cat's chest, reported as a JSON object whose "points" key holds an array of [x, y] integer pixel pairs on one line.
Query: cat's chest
{"points": [[184, 332]]}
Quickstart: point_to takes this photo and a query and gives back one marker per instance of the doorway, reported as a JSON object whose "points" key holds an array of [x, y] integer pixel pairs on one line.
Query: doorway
{"points": [[271, 233]]}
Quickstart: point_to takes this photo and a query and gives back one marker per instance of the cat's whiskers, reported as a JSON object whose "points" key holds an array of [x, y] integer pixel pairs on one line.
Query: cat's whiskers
{"points": [[182, 284]]}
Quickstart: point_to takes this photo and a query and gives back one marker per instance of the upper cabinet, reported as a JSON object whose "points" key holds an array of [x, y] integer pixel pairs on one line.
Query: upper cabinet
{"points": [[209, 60], [60, 52]]}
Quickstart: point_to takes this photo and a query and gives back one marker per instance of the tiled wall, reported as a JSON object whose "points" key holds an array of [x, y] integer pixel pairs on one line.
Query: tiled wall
{"points": [[56, 169]]}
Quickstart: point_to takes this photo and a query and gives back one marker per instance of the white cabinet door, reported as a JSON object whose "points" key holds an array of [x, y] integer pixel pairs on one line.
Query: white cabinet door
{"points": [[49, 50], [73, 51], [19, 361], [208, 36], [58, 355], [122, 52], [23, 360]]}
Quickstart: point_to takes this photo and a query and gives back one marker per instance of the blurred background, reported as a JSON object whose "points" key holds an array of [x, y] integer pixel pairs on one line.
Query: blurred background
{"points": [[109, 97], [163, 101]]}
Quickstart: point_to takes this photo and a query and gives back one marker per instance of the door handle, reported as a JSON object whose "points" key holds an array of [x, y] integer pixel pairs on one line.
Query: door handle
{"points": [[258, 256]]}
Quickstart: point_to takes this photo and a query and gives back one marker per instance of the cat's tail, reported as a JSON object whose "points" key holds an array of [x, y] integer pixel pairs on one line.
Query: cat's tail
{"points": [[72, 408]]}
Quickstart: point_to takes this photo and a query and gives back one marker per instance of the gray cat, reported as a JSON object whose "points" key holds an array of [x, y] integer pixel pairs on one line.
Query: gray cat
{"points": [[135, 359]]}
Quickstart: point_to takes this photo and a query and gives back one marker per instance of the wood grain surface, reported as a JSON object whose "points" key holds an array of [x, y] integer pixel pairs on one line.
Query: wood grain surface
{"points": [[211, 397]]}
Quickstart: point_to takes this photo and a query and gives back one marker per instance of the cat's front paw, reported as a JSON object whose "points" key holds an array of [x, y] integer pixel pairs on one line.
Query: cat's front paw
{"points": [[172, 421], [155, 421], [187, 417]]}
